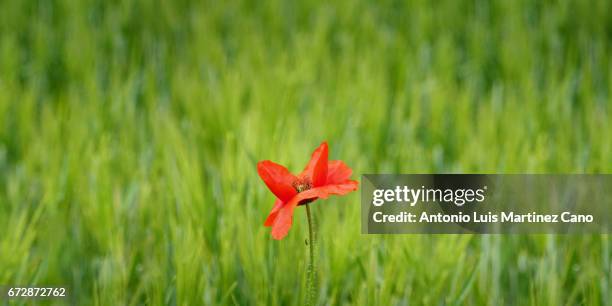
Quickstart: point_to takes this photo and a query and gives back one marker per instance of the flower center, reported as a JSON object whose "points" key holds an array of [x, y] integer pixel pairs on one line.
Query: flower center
{"points": [[302, 184]]}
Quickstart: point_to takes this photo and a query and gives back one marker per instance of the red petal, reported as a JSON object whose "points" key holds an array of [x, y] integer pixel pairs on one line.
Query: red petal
{"points": [[337, 172], [284, 218], [316, 169], [272, 216], [337, 189], [278, 179]]}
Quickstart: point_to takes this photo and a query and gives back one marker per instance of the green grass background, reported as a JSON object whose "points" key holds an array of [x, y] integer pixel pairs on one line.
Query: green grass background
{"points": [[130, 132]]}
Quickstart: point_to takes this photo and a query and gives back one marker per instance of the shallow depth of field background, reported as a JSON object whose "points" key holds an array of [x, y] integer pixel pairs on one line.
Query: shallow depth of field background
{"points": [[130, 131]]}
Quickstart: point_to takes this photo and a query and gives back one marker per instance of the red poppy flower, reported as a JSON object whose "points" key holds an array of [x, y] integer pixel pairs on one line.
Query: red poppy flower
{"points": [[319, 179]]}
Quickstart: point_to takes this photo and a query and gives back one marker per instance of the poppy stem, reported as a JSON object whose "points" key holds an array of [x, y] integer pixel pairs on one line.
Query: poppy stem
{"points": [[311, 290]]}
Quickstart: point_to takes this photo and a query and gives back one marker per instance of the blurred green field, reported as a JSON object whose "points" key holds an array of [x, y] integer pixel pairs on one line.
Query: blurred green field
{"points": [[130, 132]]}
